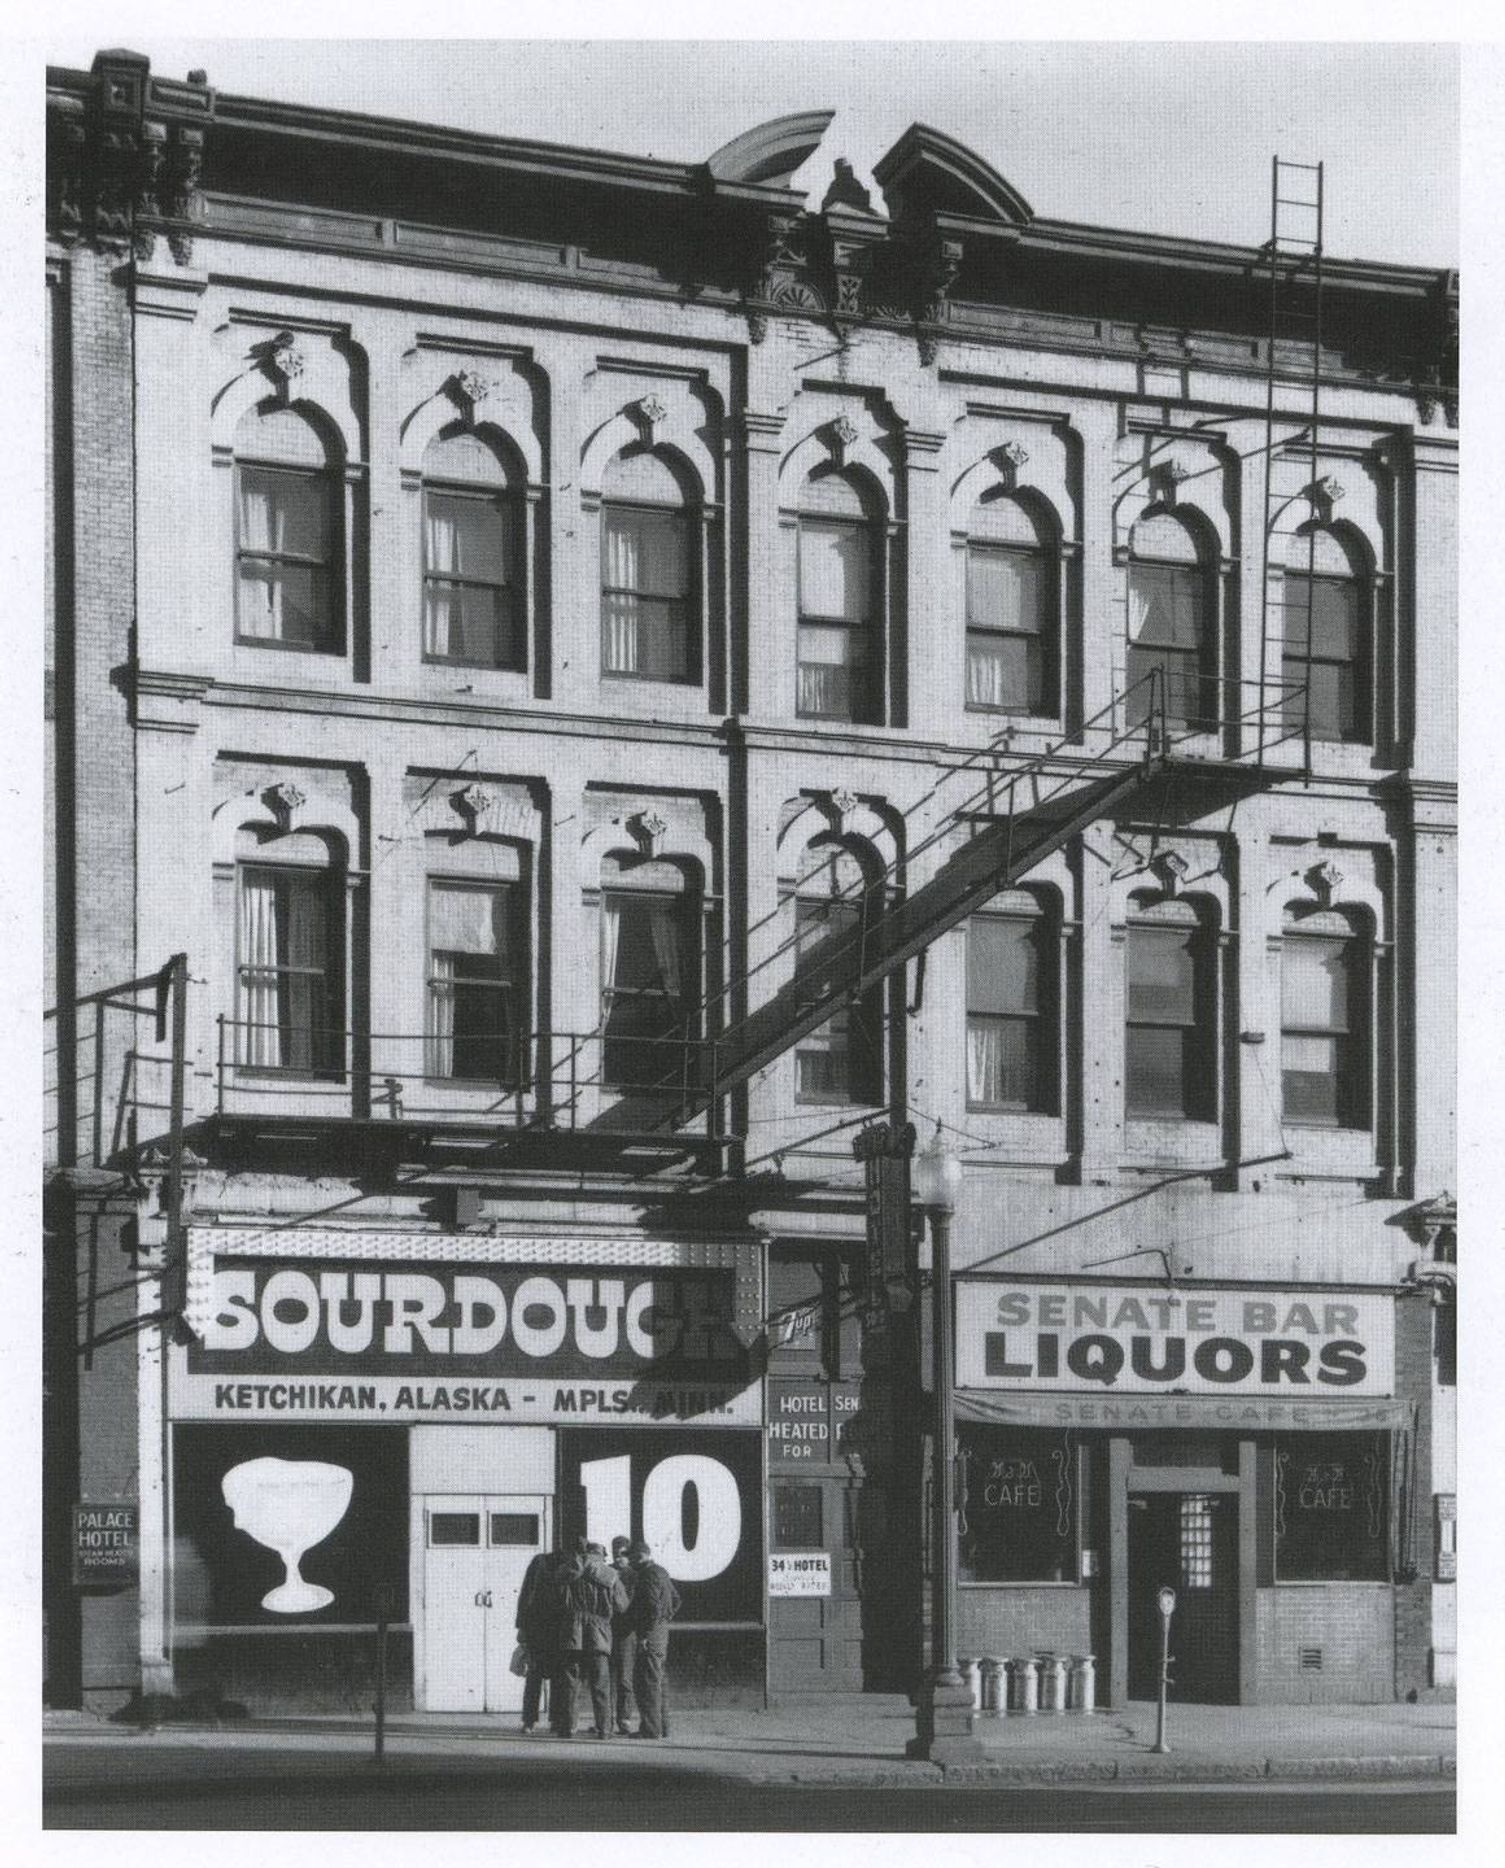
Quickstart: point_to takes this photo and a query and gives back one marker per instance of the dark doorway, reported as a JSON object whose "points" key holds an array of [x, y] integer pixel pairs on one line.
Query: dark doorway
{"points": [[1188, 1540], [815, 1636]]}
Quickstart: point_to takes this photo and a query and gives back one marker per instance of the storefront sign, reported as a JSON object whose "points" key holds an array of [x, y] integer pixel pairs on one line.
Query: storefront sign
{"points": [[1250, 1413], [799, 1573], [810, 1421], [696, 1500], [1142, 1339], [436, 1341], [106, 1543]]}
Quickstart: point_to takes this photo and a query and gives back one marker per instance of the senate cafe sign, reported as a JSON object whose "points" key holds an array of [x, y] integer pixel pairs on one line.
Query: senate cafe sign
{"points": [[1138, 1339]]}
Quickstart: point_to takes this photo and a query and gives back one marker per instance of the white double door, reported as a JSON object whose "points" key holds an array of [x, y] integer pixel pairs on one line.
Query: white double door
{"points": [[476, 1549], [482, 1509]]}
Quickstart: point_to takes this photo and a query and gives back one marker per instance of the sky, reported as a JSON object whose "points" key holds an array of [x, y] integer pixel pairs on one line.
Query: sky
{"points": [[1171, 137]]}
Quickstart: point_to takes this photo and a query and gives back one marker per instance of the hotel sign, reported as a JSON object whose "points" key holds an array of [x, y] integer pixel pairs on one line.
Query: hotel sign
{"points": [[1142, 1339]]}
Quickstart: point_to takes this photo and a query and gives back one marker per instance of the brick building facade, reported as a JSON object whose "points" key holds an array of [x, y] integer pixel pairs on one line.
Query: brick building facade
{"points": [[517, 613]]}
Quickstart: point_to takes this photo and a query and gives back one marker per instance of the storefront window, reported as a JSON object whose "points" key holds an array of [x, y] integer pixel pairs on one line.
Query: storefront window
{"points": [[1331, 1508], [324, 1509], [1018, 1518]]}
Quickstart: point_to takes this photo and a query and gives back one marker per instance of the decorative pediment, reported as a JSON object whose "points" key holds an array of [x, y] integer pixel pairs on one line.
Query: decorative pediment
{"points": [[769, 153], [928, 173]]}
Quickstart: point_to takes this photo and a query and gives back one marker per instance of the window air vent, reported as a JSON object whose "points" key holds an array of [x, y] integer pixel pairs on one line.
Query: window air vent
{"points": [[1311, 1659]]}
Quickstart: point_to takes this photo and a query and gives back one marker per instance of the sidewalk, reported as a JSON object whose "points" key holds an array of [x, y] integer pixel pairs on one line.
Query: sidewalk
{"points": [[844, 1739]]}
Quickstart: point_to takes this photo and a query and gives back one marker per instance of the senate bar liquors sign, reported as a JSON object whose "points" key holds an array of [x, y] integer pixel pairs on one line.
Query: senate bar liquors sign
{"points": [[1140, 1339], [426, 1341]]}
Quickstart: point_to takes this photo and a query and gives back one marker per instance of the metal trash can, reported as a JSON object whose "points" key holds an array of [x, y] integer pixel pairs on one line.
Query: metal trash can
{"points": [[1052, 1682], [973, 1679], [994, 1690], [1024, 1685], [1081, 1683]]}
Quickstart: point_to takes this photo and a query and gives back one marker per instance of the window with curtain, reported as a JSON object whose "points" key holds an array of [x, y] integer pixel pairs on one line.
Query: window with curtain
{"points": [[286, 535], [289, 997], [1324, 1018], [842, 1060], [1324, 660], [1011, 1035], [1170, 1050], [1171, 624], [1011, 605], [474, 1023], [650, 626], [650, 975], [472, 557], [840, 670]]}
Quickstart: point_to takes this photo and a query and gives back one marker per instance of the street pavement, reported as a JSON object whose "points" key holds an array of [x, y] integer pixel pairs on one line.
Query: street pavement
{"points": [[833, 1741]]}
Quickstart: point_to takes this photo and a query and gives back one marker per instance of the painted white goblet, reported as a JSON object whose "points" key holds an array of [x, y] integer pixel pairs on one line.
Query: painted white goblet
{"points": [[289, 1505]]}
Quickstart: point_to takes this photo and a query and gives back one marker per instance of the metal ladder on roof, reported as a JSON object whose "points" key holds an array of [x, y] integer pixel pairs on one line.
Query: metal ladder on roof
{"points": [[1293, 357]]}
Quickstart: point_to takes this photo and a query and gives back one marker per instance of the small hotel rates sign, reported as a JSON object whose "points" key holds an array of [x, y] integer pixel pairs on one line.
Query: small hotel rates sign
{"points": [[106, 1542]]}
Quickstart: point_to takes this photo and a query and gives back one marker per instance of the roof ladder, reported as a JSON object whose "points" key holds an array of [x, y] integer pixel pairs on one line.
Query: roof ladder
{"points": [[1293, 350]]}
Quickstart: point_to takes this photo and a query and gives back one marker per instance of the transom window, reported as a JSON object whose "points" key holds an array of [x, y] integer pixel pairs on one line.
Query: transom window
{"points": [[474, 979], [1011, 611], [286, 535], [1324, 1021], [1011, 978], [1325, 662], [472, 557], [840, 602], [650, 624], [289, 994], [1170, 1056], [1171, 617]]}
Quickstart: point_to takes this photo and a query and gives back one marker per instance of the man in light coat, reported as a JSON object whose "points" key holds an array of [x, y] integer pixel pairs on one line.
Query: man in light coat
{"points": [[655, 1603]]}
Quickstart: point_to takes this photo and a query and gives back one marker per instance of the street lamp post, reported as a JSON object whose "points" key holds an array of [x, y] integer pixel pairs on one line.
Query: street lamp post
{"points": [[943, 1723]]}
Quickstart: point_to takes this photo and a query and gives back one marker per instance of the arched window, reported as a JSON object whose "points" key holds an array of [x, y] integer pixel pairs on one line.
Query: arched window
{"points": [[842, 1061], [1013, 999], [840, 674], [650, 601], [290, 994], [288, 537], [1171, 623], [650, 975], [1011, 610], [473, 611], [1324, 1019], [1325, 661], [1170, 1064]]}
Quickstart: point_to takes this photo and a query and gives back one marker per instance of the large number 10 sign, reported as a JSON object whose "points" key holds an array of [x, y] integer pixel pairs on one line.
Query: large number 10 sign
{"points": [[692, 1497], [717, 1510]]}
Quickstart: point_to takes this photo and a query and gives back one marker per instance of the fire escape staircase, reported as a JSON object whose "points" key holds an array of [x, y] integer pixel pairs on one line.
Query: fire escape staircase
{"points": [[1007, 824]]}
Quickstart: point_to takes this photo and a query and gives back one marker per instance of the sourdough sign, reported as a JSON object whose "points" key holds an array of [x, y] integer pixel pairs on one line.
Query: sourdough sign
{"points": [[1144, 1339]]}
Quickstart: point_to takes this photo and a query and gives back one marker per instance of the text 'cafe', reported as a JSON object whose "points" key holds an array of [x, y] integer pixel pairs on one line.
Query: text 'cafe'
{"points": [[350, 1438], [1251, 1448]]}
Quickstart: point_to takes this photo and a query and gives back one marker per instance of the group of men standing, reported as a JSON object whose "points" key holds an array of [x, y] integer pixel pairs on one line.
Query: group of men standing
{"points": [[586, 1620]]}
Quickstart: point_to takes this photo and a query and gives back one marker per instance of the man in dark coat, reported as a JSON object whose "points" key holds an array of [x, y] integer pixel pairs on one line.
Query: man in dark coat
{"points": [[560, 1583], [538, 1614], [596, 1594], [624, 1643], [655, 1603]]}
